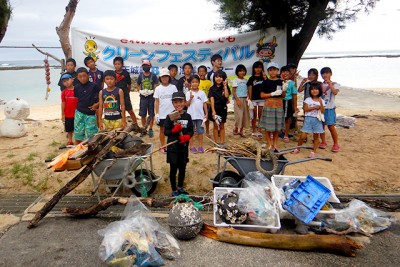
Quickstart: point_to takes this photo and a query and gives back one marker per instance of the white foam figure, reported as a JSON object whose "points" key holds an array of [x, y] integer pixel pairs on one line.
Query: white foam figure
{"points": [[17, 109], [13, 128]]}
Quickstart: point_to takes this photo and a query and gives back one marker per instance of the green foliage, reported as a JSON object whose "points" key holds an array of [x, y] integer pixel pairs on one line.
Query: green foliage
{"points": [[301, 18], [51, 156], [32, 156], [55, 143], [24, 172], [5, 12], [10, 155]]}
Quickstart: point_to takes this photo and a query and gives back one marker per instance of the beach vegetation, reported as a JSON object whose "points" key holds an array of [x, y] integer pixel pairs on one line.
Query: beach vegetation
{"points": [[10, 155], [2, 172], [301, 18], [50, 157], [24, 172], [32, 156], [55, 143]]}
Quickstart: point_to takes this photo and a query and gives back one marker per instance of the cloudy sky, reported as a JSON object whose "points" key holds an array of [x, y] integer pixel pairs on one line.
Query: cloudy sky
{"points": [[172, 20]]}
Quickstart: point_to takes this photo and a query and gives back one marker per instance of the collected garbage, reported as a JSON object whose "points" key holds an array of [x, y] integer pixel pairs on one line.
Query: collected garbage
{"points": [[252, 208], [358, 217], [306, 199], [184, 219], [137, 240], [345, 121]]}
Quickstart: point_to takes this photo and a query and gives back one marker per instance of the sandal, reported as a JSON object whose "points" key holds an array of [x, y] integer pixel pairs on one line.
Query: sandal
{"points": [[242, 135], [286, 139], [235, 133], [312, 154], [322, 145], [335, 148]]}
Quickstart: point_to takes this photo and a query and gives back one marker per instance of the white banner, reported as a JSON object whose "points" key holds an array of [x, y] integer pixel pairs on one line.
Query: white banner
{"points": [[243, 49]]}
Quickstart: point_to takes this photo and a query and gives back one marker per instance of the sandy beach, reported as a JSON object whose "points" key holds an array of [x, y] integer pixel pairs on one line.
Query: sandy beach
{"points": [[367, 162]]}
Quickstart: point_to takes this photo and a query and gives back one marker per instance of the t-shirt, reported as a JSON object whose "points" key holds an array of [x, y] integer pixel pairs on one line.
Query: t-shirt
{"points": [[268, 86], [164, 95], [291, 89], [96, 77], [180, 86], [241, 87], [328, 96], [87, 94], [187, 128], [123, 81], [73, 74], [71, 101], [255, 82], [196, 109], [147, 83], [311, 103], [217, 92], [111, 104], [205, 86]]}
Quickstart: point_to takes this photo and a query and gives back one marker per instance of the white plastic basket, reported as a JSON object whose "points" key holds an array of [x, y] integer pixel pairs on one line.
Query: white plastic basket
{"points": [[278, 181], [219, 192]]}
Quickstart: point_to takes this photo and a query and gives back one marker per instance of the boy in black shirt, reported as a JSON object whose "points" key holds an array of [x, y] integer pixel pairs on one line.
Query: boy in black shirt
{"points": [[180, 130], [85, 121]]}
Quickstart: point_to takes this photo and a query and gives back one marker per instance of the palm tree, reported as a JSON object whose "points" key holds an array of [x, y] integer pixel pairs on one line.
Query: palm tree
{"points": [[5, 14]]}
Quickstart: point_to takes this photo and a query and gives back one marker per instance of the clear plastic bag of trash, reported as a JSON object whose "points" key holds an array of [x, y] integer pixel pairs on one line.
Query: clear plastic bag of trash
{"points": [[358, 217], [258, 201], [345, 121], [137, 240]]}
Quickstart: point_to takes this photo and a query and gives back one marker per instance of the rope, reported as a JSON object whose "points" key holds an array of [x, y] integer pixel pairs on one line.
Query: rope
{"points": [[186, 198]]}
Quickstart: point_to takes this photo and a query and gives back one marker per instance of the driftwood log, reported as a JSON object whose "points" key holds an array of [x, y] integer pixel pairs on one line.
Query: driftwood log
{"points": [[84, 212], [81, 176], [325, 243]]}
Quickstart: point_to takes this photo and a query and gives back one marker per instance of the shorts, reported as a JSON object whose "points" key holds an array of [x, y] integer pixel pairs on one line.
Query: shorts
{"points": [[112, 124], [128, 103], [85, 126], [312, 125], [272, 119], [259, 103], [221, 111], [288, 108], [69, 125], [146, 106], [330, 116], [197, 126], [161, 123]]}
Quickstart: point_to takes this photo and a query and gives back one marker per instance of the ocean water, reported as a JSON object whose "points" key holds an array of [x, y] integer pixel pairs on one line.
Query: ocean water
{"points": [[375, 69]]}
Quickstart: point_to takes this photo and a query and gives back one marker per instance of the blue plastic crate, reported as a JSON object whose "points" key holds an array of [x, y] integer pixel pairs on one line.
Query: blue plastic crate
{"points": [[307, 200]]}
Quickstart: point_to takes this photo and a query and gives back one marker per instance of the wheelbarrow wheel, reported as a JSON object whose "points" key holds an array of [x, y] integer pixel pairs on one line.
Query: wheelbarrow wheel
{"points": [[228, 179], [147, 182]]}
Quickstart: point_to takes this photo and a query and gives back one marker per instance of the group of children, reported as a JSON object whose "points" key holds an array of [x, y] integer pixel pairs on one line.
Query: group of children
{"points": [[267, 100]]}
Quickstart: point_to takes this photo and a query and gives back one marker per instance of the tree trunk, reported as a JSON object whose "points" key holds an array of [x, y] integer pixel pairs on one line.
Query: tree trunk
{"points": [[326, 243], [4, 28], [80, 177], [297, 44], [64, 28]]}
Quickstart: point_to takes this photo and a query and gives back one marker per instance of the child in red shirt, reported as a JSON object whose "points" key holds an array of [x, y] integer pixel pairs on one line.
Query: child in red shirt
{"points": [[68, 106]]}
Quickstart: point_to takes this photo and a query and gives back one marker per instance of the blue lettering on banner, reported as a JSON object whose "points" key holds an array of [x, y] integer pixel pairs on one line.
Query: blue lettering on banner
{"points": [[188, 55]]}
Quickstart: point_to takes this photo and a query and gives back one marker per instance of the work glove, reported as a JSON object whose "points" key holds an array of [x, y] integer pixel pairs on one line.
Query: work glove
{"points": [[204, 122], [177, 128], [285, 85], [184, 138], [157, 118], [276, 93], [218, 119]]}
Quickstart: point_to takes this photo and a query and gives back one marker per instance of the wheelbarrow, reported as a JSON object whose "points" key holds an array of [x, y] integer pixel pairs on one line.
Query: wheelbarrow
{"points": [[135, 172], [244, 165]]}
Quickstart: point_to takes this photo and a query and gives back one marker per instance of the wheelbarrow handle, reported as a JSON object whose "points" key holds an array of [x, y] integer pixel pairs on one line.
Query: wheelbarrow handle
{"points": [[303, 160], [290, 149]]}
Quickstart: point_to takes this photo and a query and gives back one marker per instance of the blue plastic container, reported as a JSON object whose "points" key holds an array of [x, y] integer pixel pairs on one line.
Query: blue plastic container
{"points": [[307, 200]]}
